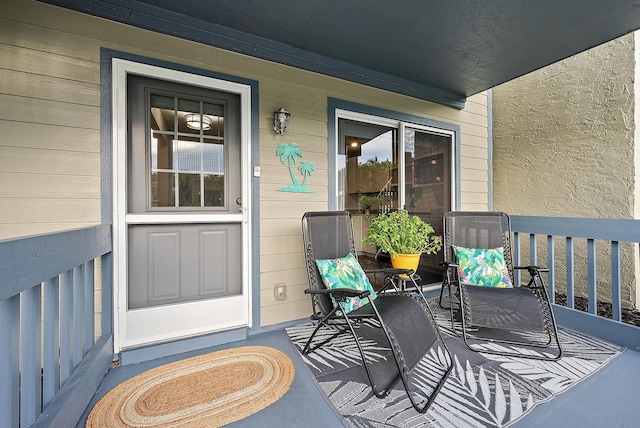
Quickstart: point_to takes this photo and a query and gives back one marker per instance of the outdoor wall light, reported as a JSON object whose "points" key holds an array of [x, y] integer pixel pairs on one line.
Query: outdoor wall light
{"points": [[280, 120], [198, 121]]}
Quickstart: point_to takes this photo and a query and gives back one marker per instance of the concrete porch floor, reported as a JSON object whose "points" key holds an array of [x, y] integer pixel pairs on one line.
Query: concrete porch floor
{"points": [[606, 399]]}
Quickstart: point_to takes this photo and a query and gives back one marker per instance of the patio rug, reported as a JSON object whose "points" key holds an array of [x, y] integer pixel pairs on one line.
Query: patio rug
{"points": [[208, 390], [483, 390]]}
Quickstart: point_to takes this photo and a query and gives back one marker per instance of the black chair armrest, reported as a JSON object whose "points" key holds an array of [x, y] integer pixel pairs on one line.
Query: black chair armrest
{"points": [[448, 265], [390, 272], [532, 269], [339, 293]]}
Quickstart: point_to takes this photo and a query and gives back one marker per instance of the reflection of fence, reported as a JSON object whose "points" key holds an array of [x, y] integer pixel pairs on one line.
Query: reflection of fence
{"points": [[50, 361], [389, 196], [608, 243]]}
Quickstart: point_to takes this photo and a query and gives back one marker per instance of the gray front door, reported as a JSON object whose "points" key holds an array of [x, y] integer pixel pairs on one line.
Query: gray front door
{"points": [[183, 211]]}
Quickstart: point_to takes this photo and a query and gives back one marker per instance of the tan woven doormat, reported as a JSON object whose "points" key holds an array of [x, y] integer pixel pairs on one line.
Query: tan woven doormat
{"points": [[203, 391]]}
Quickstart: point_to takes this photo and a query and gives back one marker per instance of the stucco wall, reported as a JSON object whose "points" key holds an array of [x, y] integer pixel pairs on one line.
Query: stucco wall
{"points": [[563, 145], [50, 132]]}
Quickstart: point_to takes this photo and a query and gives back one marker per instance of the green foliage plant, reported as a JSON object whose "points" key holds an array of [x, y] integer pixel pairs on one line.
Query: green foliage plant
{"points": [[372, 202], [401, 233]]}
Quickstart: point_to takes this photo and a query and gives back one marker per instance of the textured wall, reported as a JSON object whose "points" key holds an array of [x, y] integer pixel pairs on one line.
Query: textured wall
{"points": [[564, 134], [563, 144]]}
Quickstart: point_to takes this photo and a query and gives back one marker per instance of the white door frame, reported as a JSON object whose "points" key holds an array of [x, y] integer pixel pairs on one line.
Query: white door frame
{"points": [[120, 69]]}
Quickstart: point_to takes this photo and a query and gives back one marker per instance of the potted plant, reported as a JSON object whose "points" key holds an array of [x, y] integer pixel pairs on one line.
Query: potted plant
{"points": [[403, 236]]}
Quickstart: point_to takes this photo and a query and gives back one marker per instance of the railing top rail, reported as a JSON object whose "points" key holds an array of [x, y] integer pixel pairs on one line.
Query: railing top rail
{"points": [[27, 261], [622, 230]]}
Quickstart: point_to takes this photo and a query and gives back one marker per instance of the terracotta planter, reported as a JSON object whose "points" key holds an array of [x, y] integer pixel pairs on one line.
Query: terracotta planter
{"points": [[406, 261]]}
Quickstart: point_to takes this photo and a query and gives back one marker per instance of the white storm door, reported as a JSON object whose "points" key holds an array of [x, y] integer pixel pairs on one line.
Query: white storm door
{"points": [[182, 229]]}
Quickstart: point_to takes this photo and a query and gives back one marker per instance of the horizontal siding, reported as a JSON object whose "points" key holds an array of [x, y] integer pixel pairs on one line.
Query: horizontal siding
{"points": [[474, 186], [49, 137], [33, 110], [474, 141], [50, 133], [37, 86], [58, 210], [56, 65], [287, 244], [44, 161], [43, 186], [476, 152], [294, 295], [290, 277], [293, 309], [473, 164]]}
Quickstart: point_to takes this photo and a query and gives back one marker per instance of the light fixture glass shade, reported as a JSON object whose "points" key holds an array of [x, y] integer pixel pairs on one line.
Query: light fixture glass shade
{"points": [[280, 120], [198, 121]]}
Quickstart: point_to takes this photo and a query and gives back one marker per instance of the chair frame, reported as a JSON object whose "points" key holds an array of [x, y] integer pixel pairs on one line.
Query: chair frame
{"points": [[317, 291], [536, 285]]}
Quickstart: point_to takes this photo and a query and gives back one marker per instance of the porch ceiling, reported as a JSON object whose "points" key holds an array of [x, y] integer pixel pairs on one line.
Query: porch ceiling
{"points": [[438, 50]]}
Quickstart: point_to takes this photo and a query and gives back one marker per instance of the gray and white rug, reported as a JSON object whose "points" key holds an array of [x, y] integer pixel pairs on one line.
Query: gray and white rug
{"points": [[483, 390]]}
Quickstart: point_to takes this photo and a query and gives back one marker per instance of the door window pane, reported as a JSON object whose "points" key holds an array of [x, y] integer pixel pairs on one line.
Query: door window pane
{"points": [[189, 190], [163, 189], [187, 146]]}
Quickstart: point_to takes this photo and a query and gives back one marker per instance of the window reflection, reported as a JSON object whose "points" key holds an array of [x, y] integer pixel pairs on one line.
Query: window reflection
{"points": [[370, 183], [369, 169]]}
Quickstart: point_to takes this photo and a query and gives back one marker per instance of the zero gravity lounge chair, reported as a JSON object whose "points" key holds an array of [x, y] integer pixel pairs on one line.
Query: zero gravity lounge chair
{"points": [[497, 315], [342, 298]]}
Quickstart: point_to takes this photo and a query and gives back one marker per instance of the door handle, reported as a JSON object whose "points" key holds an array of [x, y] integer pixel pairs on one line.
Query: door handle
{"points": [[239, 203]]}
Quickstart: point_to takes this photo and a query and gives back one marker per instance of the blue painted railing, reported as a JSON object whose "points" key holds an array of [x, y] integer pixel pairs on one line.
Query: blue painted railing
{"points": [[51, 365], [600, 233], [50, 361]]}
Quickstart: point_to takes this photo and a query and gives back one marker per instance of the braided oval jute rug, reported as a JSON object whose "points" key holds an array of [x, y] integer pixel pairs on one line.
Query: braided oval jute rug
{"points": [[204, 391]]}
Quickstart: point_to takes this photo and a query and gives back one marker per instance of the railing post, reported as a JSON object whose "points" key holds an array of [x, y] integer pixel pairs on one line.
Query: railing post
{"points": [[533, 250], [516, 257], [51, 340], [570, 273], [106, 266], [89, 287], [66, 363], [551, 260], [591, 277], [615, 281], [30, 353], [9, 361], [77, 324]]}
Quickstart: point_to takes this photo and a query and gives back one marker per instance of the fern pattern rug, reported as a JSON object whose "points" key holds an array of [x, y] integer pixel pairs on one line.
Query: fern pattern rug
{"points": [[483, 390]]}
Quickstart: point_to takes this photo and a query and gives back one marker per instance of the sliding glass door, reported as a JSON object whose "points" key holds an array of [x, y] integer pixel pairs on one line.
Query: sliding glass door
{"points": [[384, 165]]}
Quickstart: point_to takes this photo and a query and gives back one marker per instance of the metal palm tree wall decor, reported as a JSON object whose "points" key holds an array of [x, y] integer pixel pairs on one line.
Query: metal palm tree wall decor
{"points": [[291, 154]]}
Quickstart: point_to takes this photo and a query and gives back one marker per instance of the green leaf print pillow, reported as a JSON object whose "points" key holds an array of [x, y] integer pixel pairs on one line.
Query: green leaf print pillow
{"points": [[346, 272], [482, 266]]}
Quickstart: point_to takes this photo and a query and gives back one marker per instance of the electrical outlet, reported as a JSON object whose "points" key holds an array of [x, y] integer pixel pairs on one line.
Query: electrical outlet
{"points": [[280, 291]]}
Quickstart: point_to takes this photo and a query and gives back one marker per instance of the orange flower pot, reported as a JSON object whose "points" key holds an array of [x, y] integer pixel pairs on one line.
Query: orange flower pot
{"points": [[406, 261]]}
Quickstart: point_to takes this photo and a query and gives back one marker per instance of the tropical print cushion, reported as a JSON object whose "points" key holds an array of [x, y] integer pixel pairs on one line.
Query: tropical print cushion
{"points": [[346, 272], [482, 266]]}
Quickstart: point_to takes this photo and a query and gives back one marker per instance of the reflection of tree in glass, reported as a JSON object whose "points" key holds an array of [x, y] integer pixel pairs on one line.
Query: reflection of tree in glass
{"points": [[375, 172]]}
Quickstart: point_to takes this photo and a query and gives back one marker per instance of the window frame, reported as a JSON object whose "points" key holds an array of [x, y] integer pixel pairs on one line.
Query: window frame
{"points": [[340, 109]]}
